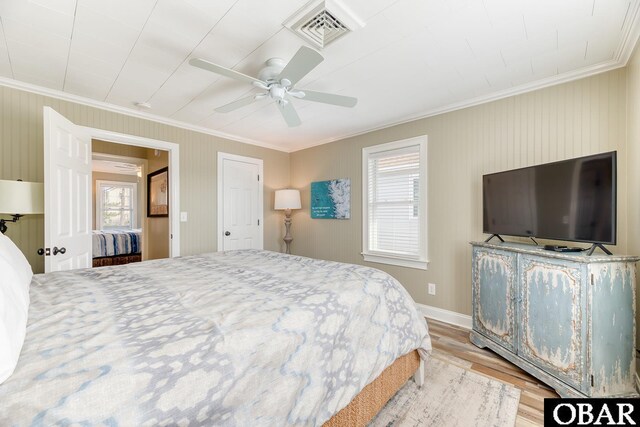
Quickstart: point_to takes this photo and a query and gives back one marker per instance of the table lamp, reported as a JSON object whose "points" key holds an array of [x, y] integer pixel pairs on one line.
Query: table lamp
{"points": [[19, 198]]}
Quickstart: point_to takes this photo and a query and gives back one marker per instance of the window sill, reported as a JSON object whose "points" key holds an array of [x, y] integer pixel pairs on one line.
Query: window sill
{"points": [[401, 262]]}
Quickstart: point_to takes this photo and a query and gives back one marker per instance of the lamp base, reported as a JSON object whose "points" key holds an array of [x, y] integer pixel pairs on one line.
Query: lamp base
{"points": [[287, 224]]}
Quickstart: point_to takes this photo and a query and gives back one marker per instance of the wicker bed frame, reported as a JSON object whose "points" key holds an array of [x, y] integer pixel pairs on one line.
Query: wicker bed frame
{"points": [[374, 396], [116, 260]]}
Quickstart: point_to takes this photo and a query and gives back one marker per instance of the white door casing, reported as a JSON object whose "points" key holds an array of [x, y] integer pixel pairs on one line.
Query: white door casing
{"points": [[174, 175], [67, 194], [240, 202], [55, 123]]}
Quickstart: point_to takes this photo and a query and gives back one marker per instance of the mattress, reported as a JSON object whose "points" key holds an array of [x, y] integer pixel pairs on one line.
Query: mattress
{"points": [[116, 242], [232, 338]]}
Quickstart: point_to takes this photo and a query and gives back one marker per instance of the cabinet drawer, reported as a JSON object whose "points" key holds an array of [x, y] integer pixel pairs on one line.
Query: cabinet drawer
{"points": [[494, 293], [552, 308]]}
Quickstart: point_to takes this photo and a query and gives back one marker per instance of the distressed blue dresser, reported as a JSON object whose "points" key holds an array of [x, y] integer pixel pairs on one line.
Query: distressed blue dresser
{"points": [[567, 319]]}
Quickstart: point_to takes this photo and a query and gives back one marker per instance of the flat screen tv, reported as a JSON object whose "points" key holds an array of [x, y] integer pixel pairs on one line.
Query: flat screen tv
{"points": [[573, 200]]}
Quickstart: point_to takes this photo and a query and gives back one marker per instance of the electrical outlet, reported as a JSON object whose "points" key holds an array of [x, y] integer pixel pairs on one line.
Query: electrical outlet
{"points": [[432, 288]]}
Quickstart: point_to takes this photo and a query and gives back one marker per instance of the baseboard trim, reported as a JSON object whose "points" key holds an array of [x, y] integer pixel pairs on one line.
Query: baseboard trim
{"points": [[447, 316]]}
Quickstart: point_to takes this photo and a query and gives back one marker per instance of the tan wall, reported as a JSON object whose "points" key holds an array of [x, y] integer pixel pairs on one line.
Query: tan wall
{"points": [[157, 228], [107, 147], [568, 120], [633, 160], [21, 148], [118, 177]]}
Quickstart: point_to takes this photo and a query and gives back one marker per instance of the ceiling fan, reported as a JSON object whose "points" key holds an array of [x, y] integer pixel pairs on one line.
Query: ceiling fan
{"points": [[278, 79]]}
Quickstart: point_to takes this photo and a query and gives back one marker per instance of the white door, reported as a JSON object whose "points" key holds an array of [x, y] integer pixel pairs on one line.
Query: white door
{"points": [[67, 194], [240, 204]]}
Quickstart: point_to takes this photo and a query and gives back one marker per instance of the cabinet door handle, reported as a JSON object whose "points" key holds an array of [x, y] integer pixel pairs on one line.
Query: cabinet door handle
{"points": [[227, 233]]}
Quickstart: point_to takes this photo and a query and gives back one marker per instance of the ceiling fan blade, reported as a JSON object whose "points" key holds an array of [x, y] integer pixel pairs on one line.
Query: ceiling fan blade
{"points": [[305, 60], [330, 98], [223, 71], [289, 113], [236, 104]]}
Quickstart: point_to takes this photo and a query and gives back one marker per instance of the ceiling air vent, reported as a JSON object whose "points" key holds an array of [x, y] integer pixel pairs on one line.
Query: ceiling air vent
{"points": [[323, 22]]}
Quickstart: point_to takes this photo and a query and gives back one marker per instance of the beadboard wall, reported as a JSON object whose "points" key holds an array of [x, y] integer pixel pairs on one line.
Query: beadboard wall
{"points": [[633, 160], [21, 156], [569, 120]]}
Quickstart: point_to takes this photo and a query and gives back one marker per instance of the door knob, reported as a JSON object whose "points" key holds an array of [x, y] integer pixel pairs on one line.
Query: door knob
{"points": [[41, 251], [56, 251], [226, 233]]}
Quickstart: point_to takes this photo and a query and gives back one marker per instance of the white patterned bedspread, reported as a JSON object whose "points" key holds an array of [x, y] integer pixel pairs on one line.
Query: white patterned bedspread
{"points": [[239, 338]]}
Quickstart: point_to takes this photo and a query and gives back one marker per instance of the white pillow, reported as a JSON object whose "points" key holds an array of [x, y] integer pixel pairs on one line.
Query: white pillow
{"points": [[13, 319], [15, 278], [16, 259]]}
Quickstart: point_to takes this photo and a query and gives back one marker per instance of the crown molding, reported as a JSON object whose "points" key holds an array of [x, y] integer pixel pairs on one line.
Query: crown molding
{"points": [[484, 99], [64, 96], [630, 35]]}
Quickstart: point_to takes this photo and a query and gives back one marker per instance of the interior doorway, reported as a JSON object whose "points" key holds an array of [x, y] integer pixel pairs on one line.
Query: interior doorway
{"points": [[123, 231], [68, 153]]}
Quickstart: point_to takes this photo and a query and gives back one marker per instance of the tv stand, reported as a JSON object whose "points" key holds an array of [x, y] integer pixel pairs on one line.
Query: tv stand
{"points": [[567, 319], [492, 236], [598, 245]]}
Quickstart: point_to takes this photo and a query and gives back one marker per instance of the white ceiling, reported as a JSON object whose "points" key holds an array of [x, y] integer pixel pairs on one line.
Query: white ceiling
{"points": [[412, 58], [110, 166]]}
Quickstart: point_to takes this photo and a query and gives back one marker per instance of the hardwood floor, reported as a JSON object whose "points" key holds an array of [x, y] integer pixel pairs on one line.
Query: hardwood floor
{"points": [[452, 343]]}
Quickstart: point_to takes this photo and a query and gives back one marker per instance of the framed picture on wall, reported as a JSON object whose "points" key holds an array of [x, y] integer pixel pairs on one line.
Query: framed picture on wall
{"points": [[158, 193], [331, 199]]}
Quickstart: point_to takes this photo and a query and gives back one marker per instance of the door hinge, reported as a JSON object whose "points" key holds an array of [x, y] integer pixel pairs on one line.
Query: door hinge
{"points": [[171, 236], [258, 222], [591, 380], [592, 280], [258, 177]]}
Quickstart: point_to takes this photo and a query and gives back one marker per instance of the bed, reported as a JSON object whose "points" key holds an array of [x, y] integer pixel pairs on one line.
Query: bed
{"points": [[231, 338], [116, 247]]}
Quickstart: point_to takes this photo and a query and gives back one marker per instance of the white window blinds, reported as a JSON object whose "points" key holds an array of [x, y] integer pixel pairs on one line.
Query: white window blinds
{"points": [[395, 202]]}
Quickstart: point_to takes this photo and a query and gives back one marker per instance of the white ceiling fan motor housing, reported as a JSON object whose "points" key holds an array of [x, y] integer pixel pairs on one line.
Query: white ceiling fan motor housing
{"points": [[272, 70]]}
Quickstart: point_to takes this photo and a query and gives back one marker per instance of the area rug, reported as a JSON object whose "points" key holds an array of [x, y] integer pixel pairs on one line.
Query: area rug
{"points": [[451, 396]]}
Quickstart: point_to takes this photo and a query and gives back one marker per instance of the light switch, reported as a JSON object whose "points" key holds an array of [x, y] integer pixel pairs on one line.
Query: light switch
{"points": [[183, 217]]}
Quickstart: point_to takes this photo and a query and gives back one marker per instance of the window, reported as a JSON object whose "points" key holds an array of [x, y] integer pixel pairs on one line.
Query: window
{"points": [[116, 205], [395, 203]]}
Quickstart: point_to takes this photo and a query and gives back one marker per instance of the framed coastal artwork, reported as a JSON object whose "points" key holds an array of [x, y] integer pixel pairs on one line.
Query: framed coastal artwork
{"points": [[158, 193], [331, 199]]}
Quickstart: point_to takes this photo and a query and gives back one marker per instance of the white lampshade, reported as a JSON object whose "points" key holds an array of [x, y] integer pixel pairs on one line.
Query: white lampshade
{"points": [[18, 197], [287, 199]]}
